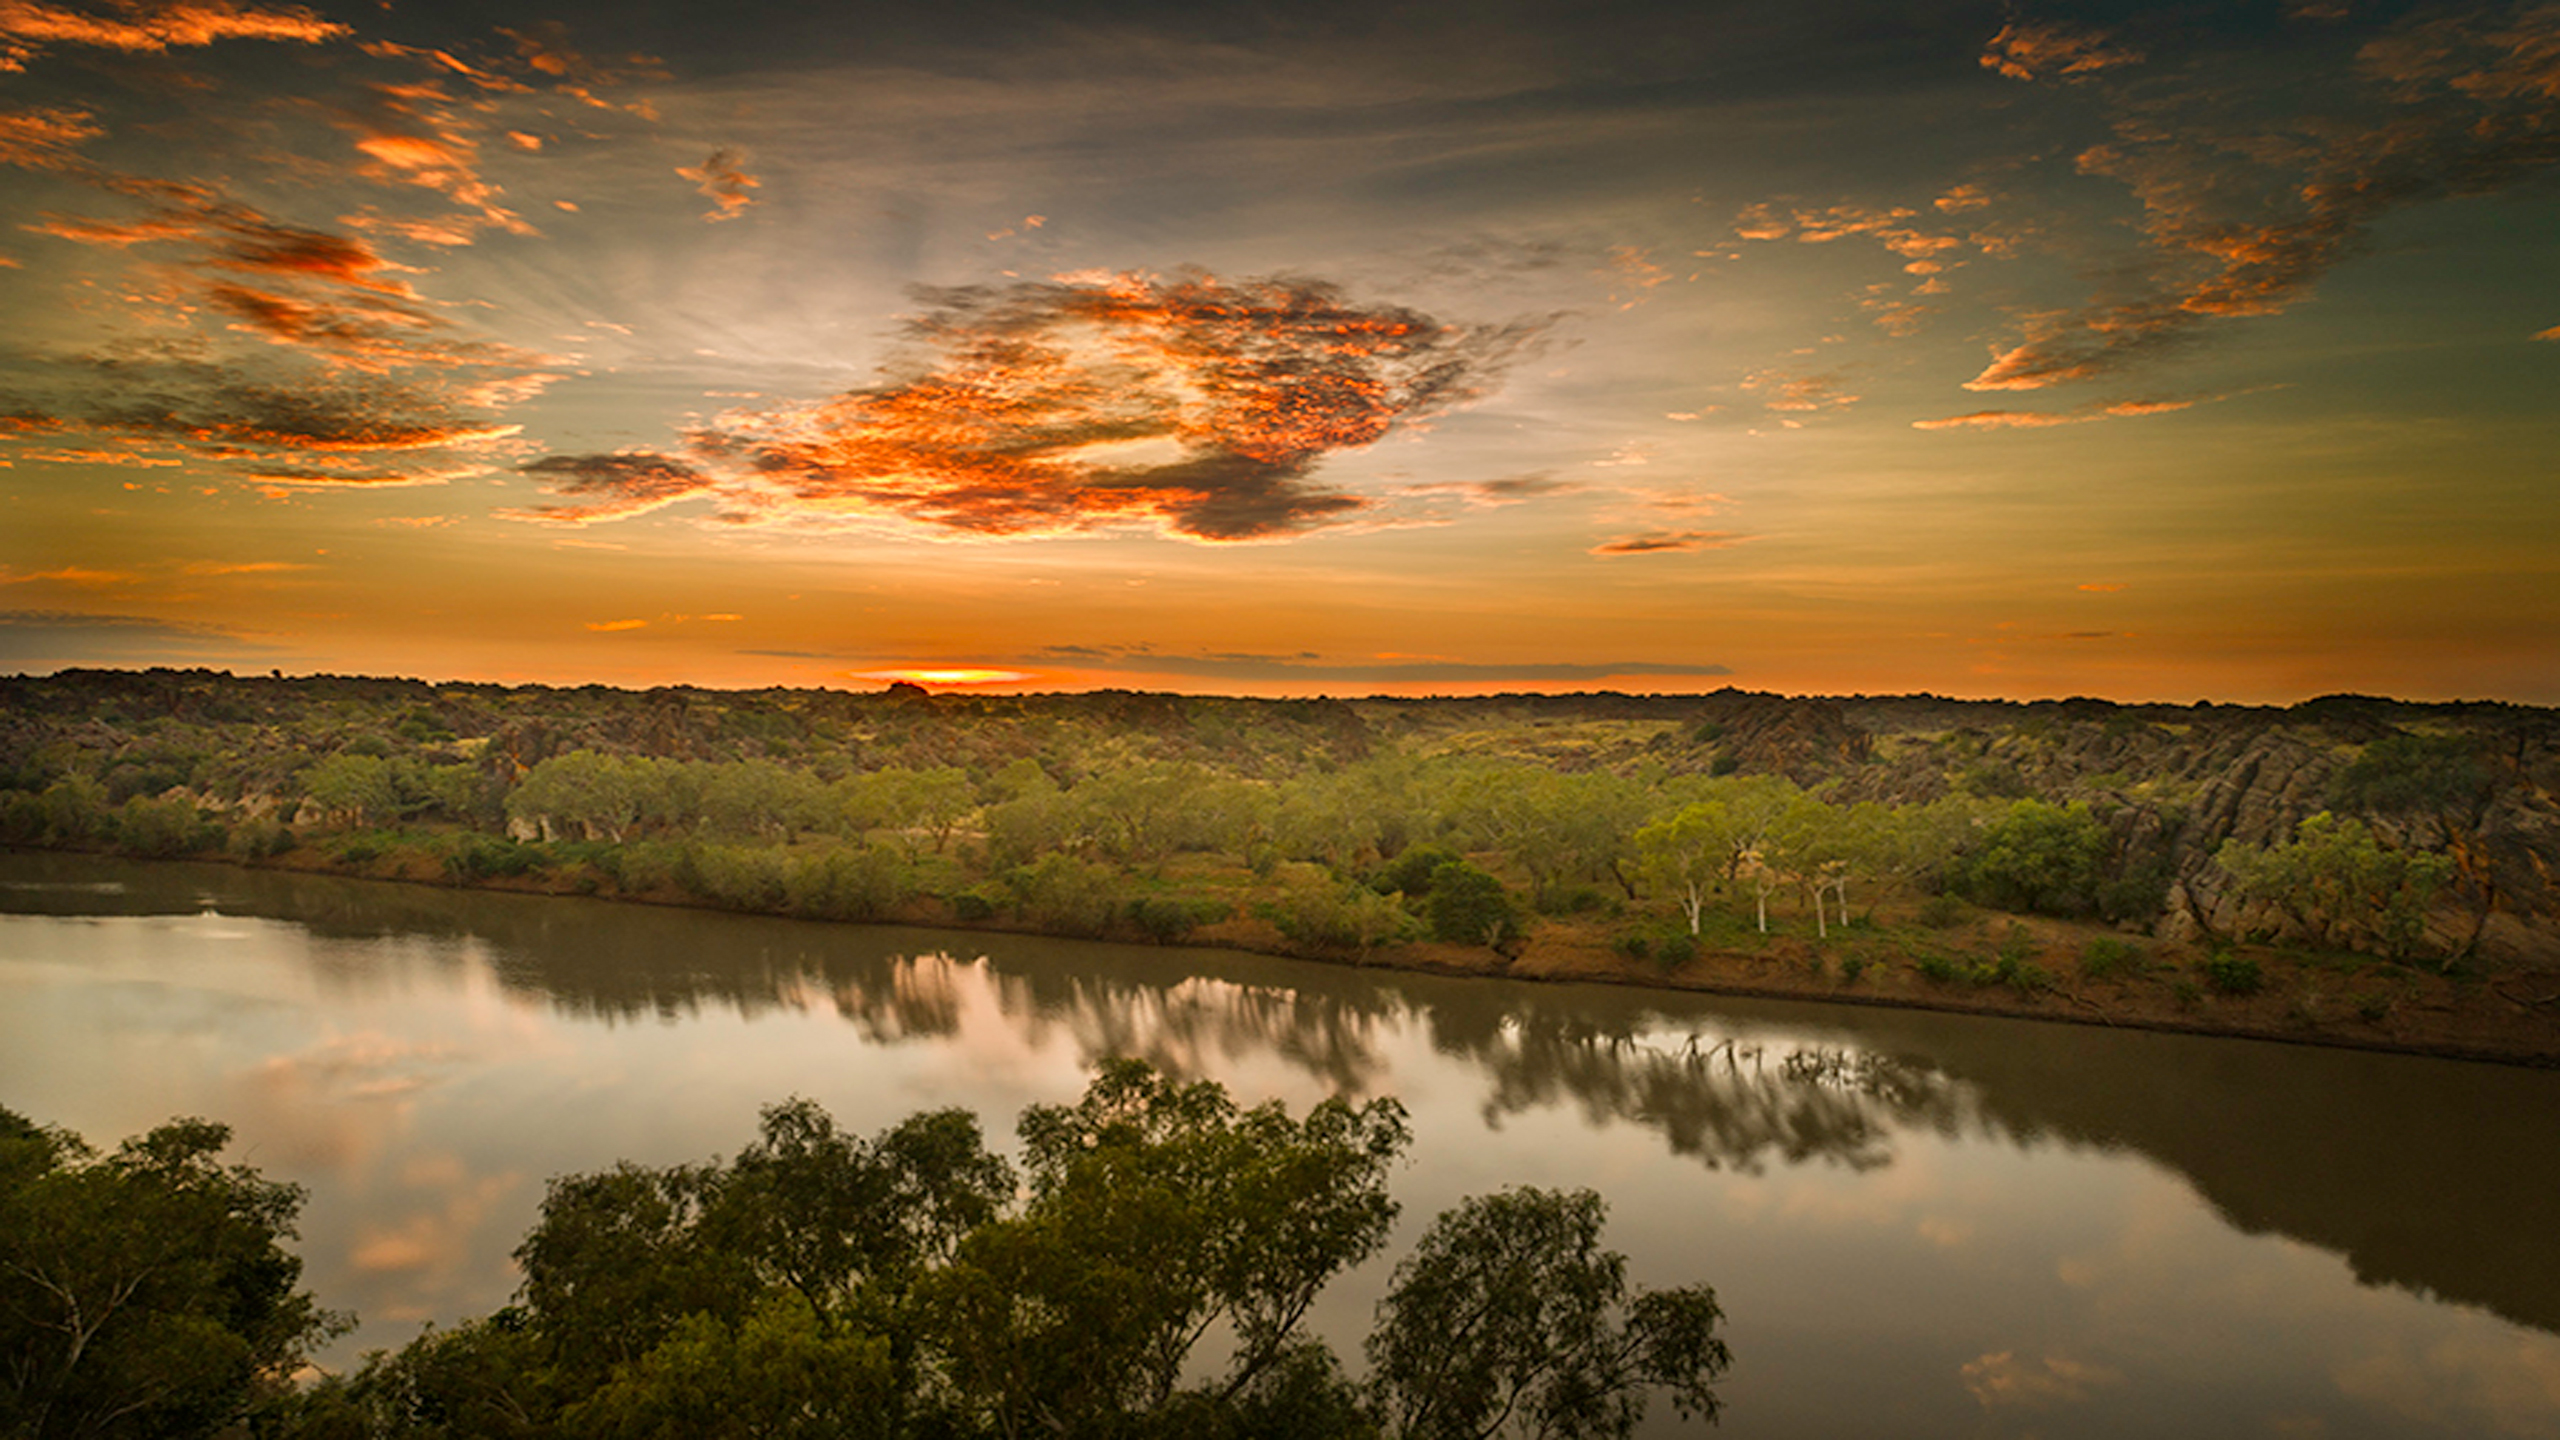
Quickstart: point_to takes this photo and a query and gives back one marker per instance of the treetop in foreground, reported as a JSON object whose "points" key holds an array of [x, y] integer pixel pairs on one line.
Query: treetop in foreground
{"points": [[1147, 1270]]}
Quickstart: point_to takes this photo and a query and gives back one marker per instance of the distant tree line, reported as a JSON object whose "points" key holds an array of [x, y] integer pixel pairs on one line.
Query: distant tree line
{"points": [[1083, 820]]}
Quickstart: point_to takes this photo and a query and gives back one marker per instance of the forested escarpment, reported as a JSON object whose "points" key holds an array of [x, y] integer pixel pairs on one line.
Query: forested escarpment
{"points": [[2341, 869]]}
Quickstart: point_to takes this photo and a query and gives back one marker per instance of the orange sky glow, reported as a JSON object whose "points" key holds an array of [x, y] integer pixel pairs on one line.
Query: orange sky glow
{"points": [[2004, 350]]}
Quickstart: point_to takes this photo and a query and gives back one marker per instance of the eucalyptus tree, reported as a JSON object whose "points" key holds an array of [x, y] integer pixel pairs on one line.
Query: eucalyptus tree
{"points": [[146, 1292], [1509, 1318]]}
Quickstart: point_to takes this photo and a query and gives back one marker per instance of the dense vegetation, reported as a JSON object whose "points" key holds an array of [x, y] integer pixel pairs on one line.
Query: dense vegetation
{"points": [[908, 1284], [1658, 825]]}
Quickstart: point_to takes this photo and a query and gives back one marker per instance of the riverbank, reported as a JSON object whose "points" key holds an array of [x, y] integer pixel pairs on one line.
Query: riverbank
{"points": [[1969, 961]]}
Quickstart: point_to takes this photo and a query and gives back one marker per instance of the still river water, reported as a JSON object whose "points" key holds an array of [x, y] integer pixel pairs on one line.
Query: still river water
{"points": [[1918, 1224]]}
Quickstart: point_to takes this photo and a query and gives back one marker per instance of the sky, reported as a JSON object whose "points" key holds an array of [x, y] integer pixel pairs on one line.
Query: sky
{"points": [[2148, 352]]}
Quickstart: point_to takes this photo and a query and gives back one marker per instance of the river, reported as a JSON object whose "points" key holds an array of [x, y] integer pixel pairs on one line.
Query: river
{"points": [[1918, 1224]]}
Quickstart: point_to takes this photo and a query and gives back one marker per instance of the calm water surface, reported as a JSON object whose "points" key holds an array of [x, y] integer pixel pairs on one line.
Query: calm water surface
{"points": [[1918, 1224]]}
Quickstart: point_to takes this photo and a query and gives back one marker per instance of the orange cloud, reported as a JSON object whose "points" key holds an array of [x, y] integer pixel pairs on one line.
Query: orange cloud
{"points": [[1794, 392], [723, 178], [608, 625], [27, 27], [43, 138], [245, 567], [1195, 405], [2048, 50], [2242, 217], [2041, 419], [67, 575], [2000, 420], [2551, 334], [1658, 542]]}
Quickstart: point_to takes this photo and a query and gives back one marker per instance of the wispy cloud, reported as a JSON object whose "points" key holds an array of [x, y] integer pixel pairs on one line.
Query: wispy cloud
{"points": [[2051, 50], [1195, 405], [1308, 666], [1670, 542], [2044, 419], [723, 179], [29, 27], [31, 640], [2243, 214]]}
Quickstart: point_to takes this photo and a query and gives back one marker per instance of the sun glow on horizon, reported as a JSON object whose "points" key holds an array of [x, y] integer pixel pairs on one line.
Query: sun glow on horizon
{"points": [[954, 675]]}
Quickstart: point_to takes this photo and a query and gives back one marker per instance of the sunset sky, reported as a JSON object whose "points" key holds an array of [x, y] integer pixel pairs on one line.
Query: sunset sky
{"points": [[2163, 352]]}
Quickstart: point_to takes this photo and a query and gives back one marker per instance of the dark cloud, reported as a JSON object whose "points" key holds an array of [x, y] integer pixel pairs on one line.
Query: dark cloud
{"points": [[303, 340], [2052, 50], [1197, 405], [40, 640], [609, 487], [217, 412], [2244, 212], [1507, 490]]}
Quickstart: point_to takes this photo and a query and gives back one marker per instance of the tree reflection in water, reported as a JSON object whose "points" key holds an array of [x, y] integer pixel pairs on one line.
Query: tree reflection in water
{"points": [[2424, 1174]]}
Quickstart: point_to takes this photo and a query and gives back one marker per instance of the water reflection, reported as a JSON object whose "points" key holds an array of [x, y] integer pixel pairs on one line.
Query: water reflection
{"points": [[2428, 1176]]}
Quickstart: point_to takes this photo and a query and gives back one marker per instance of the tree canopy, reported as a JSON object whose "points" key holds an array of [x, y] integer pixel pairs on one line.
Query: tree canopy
{"points": [[1146, 1270]]}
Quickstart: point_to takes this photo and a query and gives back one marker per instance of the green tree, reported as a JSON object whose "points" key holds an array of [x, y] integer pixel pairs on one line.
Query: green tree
{"points": [[2340, 885], [596, 793], [352, 789], [1509, 1318], [147, 1292], [1159, 1212], [1468, 906], [2035, 856]]}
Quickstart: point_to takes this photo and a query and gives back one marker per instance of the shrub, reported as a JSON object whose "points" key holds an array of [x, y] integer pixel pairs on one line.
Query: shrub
{"points": [[1467, 906], [853, 882], [2049, 859], [1410, 871], [482, 857], [2108, 956], [1341, 917], [1941, 912], [259, 839], [1066, 895], [1851, 967], [1167, 918], [1938, 968], [976, 903], [2232, 973], [1675, 950], [161, 828]]}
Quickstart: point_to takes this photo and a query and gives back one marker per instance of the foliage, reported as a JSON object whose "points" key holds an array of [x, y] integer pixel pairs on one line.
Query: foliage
{"points": [[1158, 1213], [911, 1285], [146, 1292], [2403, 774], [1509, 1316], [2107, 957], [2038, 857], [1340, 916], [2232, 973], [2341, 886], [1468, 906], [1167, 918]]}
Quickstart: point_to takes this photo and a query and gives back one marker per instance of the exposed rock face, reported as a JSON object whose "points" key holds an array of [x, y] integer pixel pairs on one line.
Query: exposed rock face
{"points": [[2179, 783]]}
